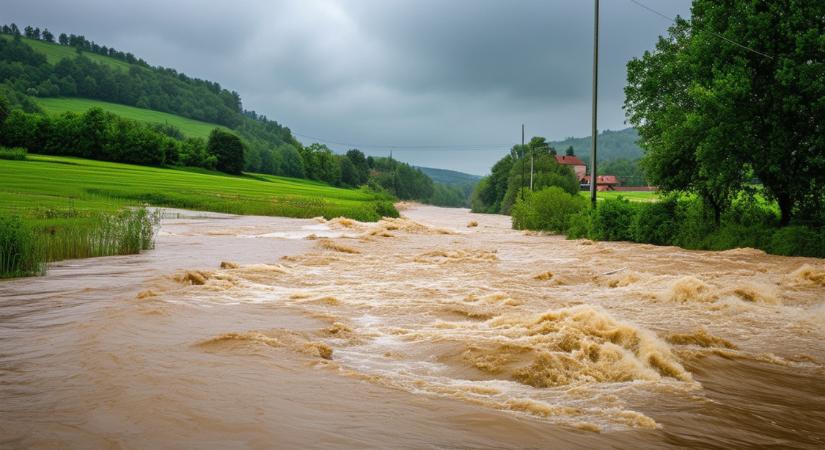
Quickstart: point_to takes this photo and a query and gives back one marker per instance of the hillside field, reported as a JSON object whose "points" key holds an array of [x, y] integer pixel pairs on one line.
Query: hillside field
{"points": [[189, 127], [37, 187]]}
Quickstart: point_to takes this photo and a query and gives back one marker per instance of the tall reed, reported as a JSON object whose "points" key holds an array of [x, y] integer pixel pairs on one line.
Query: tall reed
{"points": [[25, 247]]}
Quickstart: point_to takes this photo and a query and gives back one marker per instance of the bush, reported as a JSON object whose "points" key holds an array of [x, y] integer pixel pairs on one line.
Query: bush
{"points": [[14, 153], [385, 209], [580, 225], [547, 210], [614, 219], [656, 223], [734, 235], [695, 223], [798, 241]]}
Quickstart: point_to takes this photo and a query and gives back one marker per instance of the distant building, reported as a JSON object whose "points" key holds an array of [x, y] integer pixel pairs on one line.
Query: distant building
{"points": [[578, 166], [603, 182]]}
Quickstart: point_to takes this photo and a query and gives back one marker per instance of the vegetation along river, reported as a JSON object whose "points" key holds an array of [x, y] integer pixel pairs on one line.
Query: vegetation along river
{"points": [[443, 329]]}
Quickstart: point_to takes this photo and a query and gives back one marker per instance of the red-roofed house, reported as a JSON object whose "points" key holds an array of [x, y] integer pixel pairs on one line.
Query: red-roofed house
{"points": [[575, 163], [603, 182]]}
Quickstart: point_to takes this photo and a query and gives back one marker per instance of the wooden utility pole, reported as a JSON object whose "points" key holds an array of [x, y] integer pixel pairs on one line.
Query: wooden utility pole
{"points": [[522, 162], [594, 130], [531, 169]]}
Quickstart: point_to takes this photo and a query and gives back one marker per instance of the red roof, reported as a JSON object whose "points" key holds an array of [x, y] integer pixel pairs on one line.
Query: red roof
{"points": [[602, 179], [569, 160]]}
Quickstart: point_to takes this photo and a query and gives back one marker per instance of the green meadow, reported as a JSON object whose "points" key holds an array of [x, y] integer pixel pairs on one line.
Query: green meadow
{"points": [[633, 196], [54, 208], [189, 127], [51, 182]]}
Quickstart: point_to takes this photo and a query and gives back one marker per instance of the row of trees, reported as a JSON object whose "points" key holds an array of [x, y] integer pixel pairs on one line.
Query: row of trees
{"points": [[497, 192], [104, 136], [734, 94]]}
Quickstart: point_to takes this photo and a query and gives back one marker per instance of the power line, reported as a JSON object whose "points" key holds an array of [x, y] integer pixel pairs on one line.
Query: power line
{"points": [[660, 14]]}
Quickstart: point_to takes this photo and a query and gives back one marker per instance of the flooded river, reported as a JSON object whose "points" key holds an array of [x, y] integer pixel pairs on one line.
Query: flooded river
{"points": [[443, 329]]}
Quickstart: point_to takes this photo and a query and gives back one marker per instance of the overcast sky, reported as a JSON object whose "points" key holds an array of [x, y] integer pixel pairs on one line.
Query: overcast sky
{"points": [[462, 73]]}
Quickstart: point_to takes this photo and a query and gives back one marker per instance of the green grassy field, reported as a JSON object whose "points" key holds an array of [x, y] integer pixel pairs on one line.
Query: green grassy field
{"points": [[32, 187], [189, 127], [56, 52], [54, 208], [633, 196]]}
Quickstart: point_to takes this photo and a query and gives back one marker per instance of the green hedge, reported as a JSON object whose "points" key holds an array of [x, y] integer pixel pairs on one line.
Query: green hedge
{"points": [[684, 222]]}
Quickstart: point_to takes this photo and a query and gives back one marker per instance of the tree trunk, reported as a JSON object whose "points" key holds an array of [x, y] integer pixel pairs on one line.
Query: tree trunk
{"points": [[785, 208]]}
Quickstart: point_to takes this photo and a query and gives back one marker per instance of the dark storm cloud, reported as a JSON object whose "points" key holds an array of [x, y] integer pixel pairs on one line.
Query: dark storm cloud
{"points": [[404, 72]]}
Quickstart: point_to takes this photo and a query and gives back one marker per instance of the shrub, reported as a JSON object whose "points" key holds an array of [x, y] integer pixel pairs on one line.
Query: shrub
{"points": [[385, 209], [614, 219], [733, 235], [580, 225], [798, 241], [695, 223], [548, 210], [656, 222], [14, 153]]}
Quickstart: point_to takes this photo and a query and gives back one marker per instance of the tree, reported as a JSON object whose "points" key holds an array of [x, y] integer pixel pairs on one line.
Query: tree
{"points": [[710, 113], [28, 32], [228, 150], [5, 109], [63, 39], [47, 35], [360, 165], [570, 151]]}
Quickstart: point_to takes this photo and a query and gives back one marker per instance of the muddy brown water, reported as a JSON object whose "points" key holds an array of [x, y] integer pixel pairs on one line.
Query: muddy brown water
{"points": [[422, 332]]}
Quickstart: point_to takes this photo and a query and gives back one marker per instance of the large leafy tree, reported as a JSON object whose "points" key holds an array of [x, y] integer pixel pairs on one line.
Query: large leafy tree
{"points": [[228, 149], [737, 90]]}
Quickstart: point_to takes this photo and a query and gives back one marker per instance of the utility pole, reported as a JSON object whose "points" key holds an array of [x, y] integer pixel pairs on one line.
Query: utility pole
{"points": [[531, 169], [594, 130], [522, 161]]}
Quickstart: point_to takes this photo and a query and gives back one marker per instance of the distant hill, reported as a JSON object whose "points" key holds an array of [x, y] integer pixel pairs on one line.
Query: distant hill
{"points": [[613, 145], [450, 177]]}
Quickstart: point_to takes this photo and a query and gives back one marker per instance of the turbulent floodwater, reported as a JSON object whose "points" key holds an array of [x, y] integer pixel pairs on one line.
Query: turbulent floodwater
{"points": [[443, 329]]}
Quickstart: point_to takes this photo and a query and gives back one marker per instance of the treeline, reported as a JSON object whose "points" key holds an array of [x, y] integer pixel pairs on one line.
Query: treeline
{"points": [[97, 134], [510, 176]]}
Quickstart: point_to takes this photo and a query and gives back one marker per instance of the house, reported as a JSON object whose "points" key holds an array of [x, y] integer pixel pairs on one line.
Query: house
{"points": [[603, 182], [575, 163]]}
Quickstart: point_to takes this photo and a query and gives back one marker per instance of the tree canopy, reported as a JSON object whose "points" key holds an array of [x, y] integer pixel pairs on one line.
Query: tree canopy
{"points": [[736, 92]]}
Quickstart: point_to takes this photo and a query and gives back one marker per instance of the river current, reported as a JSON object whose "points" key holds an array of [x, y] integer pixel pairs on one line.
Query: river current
{"points": [[442, 329]]}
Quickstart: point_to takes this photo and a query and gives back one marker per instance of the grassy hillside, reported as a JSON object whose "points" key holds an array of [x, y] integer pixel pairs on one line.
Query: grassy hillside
{"points": [[189, 127], [34, 187], [56, 52], [613, 145]]}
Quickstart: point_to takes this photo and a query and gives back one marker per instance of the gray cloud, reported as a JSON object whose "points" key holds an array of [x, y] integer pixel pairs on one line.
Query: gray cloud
{"points": [[400, 72]]}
